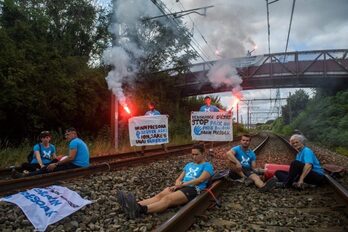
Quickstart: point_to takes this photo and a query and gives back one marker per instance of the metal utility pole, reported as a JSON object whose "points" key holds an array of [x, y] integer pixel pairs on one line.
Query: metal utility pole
{"points": [[114, 121], [268, 26]]}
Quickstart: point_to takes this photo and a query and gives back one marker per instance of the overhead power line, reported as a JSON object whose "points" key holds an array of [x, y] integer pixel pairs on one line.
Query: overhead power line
{"points": [[292, 13]]}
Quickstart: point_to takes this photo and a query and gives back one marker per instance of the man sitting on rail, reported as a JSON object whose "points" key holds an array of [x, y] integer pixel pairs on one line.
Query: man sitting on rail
{"points": [[188, 185], [78, 156], [243, 161], [305, 169]]}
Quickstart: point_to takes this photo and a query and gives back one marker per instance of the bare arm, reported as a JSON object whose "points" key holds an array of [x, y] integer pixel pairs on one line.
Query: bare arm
{"points": [[203, 177], [38, 158], [70, 158], [178, 181], [231, 156], [306, 169], [253, 165]]}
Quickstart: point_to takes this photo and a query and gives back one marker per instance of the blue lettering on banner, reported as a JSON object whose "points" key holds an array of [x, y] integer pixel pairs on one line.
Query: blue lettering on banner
{"points": [[52, 200], [35, 199]]}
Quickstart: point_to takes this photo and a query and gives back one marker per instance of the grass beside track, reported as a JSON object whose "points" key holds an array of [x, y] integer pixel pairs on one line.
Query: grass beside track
{"points": [[10, 156]]}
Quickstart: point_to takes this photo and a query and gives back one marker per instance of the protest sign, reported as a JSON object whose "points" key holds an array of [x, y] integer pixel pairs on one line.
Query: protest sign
{"points": [[211, 126], [45, 206], [148, 130]]}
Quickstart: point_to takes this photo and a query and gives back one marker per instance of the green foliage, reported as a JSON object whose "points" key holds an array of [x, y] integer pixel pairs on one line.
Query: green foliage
{"points": [[295, 104], [325, 120]]}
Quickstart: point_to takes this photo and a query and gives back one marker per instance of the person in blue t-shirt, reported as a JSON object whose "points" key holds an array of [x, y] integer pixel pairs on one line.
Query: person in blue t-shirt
{"points": [[193, 179], [208, 107], [78, 156], [243, 161], [305, 169], [44, 154], [152, 112]]}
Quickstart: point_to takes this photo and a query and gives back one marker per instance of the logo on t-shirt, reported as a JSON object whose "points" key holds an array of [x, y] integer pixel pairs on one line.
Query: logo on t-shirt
{"points": [[245, 161], [46, 154], [192, 172]]}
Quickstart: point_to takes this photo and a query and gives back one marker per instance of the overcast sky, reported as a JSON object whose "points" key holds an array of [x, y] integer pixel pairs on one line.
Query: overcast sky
{"points": [[232, 27]]}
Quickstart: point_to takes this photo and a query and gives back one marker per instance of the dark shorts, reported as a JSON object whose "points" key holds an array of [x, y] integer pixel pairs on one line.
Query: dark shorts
{"points": [[190, 192], [246, 172]]}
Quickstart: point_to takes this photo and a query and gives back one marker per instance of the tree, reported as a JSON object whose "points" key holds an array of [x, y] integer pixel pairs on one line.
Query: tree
{"points": [[295, 104]]}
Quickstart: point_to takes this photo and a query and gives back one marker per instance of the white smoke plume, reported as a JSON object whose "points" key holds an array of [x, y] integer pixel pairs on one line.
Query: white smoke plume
{"points": [[223, 73], [122, 56]]}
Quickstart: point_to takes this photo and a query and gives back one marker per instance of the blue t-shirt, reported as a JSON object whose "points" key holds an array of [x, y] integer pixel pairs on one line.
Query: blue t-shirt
{"points": [[244, 157], [193, 171], [307, 156], [152, 113], [210, 108], [82, 154], [45, 153]]}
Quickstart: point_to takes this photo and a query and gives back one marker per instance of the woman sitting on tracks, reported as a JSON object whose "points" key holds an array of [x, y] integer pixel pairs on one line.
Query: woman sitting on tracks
{"points": [[305, 169], [188, 185]]}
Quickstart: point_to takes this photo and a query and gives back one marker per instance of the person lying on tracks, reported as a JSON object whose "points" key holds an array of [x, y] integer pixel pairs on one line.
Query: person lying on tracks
{"points": [[305, 169], [243, 161], [193, 179], [78, 156], [44, 153]]}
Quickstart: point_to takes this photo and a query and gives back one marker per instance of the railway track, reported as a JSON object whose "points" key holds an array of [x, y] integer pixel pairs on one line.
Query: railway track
{"points": [[245, 208], [100, 164]]}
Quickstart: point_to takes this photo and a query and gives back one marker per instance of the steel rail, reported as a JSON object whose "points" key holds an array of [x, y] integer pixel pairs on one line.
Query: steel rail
{"points": [[185, 217], [340, 189], [14, 185], [107, 157]]}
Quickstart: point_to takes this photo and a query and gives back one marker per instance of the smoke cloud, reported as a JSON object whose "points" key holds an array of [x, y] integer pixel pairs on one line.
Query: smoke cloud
{"points": [[124, 53]]}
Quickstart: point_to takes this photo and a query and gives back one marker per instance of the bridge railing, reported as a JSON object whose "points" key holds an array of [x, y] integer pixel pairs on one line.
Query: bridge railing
{"points": [[319, 62]]}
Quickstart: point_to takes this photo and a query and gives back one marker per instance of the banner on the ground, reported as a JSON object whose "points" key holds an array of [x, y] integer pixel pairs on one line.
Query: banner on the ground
{"points": [[148, 130], [45, 206], [211, 126]]}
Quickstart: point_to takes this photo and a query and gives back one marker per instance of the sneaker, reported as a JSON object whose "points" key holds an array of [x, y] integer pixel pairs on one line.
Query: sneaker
{"points": [[241, 180], [280, 185], [15, 174], [269, 185], [248, 182]]}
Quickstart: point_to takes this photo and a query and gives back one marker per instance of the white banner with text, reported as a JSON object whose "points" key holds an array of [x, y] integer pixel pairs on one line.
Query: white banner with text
{"points": [[211, 126], [45, 206], [148, 130]]}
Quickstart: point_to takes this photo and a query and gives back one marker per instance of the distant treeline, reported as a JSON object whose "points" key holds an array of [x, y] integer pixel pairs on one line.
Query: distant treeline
{"points": [[322, 119]]}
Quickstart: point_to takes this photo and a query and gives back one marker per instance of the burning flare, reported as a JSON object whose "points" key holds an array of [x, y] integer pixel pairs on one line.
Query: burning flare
{"points": [[126, 108]]}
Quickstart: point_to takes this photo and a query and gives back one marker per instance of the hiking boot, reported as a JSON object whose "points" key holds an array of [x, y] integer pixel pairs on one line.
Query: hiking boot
{"points": [[134, 208], [269, 185], [122, 200], [248, 182]]}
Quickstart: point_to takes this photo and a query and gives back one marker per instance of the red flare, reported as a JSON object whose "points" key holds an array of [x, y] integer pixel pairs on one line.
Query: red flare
{"points": [[126, 108]]}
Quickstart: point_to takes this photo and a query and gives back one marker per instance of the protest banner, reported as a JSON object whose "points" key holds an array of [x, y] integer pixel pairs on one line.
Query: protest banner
{"points": [[211, 126], [45, 206], [148, 130]]}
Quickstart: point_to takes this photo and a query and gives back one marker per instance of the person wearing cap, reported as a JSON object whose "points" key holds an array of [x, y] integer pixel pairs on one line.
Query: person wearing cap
{"points": [[152, 112], [208, 107], [78, 156], [44, 153]]}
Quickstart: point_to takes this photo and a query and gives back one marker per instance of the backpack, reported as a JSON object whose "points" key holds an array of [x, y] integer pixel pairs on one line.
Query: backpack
{"points": [[335, 171], [30, 156]]}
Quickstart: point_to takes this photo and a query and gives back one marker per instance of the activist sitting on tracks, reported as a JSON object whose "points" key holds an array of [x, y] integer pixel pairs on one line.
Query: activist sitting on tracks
{"points": [[243, 161], [304, 170], [188, 185], [43, 154], [78, 156]]}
